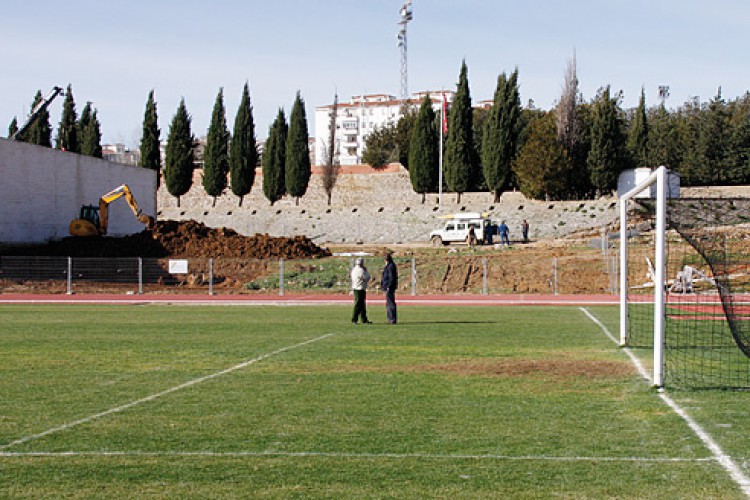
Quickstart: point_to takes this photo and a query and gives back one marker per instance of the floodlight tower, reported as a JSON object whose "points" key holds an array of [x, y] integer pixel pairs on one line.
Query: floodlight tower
{"points": [[663, 93], [406, 16]]}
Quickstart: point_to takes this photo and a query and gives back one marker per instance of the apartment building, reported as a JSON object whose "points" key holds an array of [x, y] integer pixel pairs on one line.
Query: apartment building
{"points": [[358, 118]]}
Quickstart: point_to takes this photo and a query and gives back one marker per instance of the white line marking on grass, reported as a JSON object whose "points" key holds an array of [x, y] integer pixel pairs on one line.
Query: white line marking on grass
{"points": [[322, 454], [725, 460], [165, 392]]}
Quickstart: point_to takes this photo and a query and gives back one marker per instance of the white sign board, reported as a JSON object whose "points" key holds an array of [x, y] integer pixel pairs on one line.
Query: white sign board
{"points": [[178, 266]]}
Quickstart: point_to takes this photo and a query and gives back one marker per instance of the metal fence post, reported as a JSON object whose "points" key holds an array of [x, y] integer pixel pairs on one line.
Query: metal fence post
{"points": [[70, 274], [413, 276], [281, 276], [140, 276], [484, 275], [210, 276], [554, 266]]}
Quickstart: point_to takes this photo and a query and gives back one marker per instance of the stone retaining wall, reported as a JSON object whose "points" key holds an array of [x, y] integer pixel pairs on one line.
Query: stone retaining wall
{"points": [[378, 207]]}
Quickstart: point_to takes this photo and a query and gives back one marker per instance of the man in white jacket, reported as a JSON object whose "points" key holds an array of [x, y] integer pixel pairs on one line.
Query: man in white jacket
{"points": [[360, 279]]}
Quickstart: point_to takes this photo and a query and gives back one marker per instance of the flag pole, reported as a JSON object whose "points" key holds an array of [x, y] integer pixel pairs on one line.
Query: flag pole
{"points": [[440, 155]]}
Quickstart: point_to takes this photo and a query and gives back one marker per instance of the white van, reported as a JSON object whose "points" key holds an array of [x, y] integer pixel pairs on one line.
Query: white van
{"points": [[456, 228]]}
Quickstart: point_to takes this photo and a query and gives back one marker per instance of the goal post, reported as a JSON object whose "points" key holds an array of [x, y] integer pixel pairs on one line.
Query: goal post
{"points": [[685, 282], [657, 179]]}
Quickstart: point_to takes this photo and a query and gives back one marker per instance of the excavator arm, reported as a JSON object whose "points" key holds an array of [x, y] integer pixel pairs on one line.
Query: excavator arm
{"points": [[94, 223], [116, 193]]}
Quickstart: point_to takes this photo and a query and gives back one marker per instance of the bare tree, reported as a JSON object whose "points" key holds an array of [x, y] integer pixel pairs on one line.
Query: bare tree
{"points": [[567, 109], [331, 166]]}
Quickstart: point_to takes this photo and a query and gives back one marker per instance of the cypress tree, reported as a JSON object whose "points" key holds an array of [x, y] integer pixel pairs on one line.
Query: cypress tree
{"points": [[85, 119], [40, 132], [638, 134], [274, 159], [13, 127], [297, 166], [608, 154], [423, 151], [92, 137], [178, 161], [150, 139], [243, 154], [216, 153], [67, 133], [460, 163], [501, 131]]}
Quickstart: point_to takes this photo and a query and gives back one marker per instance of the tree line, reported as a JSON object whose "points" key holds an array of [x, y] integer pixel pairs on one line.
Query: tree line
{"points": [[230, 160], [575, 150]]}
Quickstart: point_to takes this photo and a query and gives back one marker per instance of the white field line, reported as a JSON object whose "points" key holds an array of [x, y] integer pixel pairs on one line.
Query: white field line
{"points": [[315, 454], [163, 393], [725, 460]]}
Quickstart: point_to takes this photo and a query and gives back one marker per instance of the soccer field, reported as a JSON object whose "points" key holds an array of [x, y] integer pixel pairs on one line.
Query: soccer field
{"points": [[296, 402]]}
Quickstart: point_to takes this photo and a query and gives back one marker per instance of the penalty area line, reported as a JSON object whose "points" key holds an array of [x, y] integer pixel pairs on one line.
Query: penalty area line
{"points": [[160, 394], [719, 455]]}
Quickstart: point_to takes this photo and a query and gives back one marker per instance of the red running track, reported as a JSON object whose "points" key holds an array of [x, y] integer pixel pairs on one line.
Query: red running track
{"points": [[310, 299]]}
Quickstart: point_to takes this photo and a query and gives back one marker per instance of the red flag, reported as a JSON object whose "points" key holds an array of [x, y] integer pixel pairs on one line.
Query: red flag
{"points": [[445, 115]]}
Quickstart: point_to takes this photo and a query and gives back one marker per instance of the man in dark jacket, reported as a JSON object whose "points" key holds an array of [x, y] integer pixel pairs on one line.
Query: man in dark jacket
{"points": [[389, 285]]}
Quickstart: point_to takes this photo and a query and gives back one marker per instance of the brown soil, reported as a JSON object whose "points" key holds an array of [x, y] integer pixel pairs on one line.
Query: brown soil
{"points": [[566, 266], [179, 239]]}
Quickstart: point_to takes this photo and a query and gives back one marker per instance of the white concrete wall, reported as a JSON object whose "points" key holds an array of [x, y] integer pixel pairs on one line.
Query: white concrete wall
{"points": [[42, 190]]}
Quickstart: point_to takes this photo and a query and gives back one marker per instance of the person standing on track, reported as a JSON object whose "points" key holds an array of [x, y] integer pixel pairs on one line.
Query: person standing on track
{"points": [[389, 284], [360, 279]]}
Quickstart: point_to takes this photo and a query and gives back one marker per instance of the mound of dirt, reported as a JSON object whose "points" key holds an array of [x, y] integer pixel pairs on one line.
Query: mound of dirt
{"points": [[183, 239]]}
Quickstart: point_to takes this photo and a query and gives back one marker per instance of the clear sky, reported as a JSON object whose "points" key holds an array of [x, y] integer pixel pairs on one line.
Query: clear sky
{"points": [[114, 53]]}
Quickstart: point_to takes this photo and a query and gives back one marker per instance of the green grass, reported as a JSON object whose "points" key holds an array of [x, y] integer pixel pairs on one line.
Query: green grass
{"points": [[473, 402]]}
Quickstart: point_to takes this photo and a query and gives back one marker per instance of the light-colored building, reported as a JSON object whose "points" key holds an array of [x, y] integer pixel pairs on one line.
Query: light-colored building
{"points": [[358, 118], [118, 153]]}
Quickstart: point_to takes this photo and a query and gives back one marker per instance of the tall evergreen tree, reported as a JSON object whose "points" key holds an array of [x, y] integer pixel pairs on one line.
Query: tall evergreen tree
{"points": [[688, 131], [13, 127], [542, 164], [460, 163], [40, 132], [216, 153], [713, 141], [243, 154], [297, 166], [274, 159], [178, 161], [85, 119], [67, 133], [423, 151], [738, 154], [91, 137], [150, 139], [608, 155], [638, 134], [662, 138], [501, 131]]}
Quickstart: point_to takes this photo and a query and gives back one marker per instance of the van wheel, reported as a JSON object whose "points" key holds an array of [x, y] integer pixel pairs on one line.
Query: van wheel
{"points": [[437, 241]]}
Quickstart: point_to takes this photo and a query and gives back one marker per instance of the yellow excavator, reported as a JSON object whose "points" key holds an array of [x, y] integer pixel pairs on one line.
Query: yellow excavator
{"points": [[93, 220]]}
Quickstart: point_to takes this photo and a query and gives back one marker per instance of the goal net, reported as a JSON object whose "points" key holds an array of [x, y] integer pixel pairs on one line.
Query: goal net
{"points": [[684, 286]]}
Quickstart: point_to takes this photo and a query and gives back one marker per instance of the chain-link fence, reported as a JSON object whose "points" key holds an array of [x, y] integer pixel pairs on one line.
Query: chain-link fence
{"points": [[418, 275]]}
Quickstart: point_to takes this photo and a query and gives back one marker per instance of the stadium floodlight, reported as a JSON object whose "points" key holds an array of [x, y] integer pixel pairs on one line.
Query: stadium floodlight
{"points": [[663, 93]]}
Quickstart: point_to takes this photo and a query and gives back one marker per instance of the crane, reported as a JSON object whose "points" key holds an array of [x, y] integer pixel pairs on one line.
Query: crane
{"points": [[41, 106]]}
